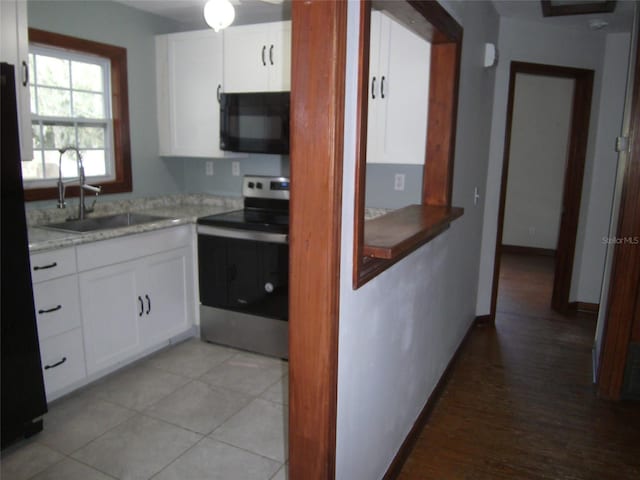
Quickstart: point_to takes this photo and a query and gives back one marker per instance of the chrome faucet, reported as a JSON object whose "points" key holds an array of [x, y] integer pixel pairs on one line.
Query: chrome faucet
{"points": [[82, 208]]}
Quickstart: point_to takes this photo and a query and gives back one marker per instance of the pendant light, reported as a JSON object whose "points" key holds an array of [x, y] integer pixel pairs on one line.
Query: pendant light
{"points": [[219, 14]]}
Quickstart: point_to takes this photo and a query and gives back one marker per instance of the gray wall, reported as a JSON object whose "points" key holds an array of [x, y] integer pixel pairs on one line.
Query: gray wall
{"points": [[398, 332], [111, 22], [536, 42], [223, 182], [380, 192], [537, 159]]}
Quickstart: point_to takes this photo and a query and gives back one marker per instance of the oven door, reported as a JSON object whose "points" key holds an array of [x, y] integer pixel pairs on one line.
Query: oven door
{"points": [[244, 271]]}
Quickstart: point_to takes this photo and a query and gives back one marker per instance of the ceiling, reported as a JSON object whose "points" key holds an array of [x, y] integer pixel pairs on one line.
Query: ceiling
{"points": [[189, 12]]}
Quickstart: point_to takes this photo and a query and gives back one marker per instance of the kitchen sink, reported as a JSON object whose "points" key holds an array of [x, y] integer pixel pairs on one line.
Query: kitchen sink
{"points": [[104, 223]]}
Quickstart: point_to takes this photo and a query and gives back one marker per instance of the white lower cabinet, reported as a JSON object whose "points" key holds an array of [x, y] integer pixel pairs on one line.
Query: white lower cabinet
{"points": [[136, 304], [62, 362], [103, 304], [109, 310]]}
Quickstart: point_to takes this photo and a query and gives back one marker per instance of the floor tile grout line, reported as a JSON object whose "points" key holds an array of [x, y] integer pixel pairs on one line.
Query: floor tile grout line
{"points": [[248, 451]]}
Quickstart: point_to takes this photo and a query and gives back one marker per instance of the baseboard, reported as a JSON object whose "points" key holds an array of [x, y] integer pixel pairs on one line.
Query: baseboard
{"points": [[484, 320], [584, 307], [412, 437], [546, 252]]}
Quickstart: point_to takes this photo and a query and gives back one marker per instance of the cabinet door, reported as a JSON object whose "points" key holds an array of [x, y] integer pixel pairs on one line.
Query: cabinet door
{"points": [[246, 58], [279, 57], [15, 50], [165, 284], [195, 72], [110, 309], [399, 96]]}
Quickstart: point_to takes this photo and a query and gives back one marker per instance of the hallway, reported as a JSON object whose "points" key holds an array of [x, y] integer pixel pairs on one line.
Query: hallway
{"points": [[519, 403]]}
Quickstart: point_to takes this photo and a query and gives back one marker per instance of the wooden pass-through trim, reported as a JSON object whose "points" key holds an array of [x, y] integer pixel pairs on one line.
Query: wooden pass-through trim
{"points": [[317, 137], [445, 35]]}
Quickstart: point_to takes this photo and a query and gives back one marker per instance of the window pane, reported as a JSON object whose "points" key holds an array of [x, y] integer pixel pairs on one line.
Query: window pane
{"points": [[91, 137], [37, 141], [53, 102], [87, 76], [88, 105], [52, 71], [33, 170], [58, 136], [94, 163], [69, 164]]}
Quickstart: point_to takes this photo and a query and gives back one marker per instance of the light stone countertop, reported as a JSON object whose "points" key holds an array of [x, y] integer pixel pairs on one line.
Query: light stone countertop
{"points": [[178, 210]]}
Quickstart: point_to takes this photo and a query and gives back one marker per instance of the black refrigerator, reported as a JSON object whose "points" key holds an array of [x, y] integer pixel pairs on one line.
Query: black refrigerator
{"points": [[22, 389]]}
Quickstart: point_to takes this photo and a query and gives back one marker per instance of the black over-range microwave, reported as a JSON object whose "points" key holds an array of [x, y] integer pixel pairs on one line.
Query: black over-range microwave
{"points": [[255, 122]]}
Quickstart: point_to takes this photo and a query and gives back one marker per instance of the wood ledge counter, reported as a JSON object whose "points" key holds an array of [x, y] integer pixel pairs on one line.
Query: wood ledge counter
{"points": [[398, 233]]}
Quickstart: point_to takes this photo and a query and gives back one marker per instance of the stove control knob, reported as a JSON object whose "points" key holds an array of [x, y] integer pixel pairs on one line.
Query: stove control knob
{"points": [[259, 185], [250, 184], [268, 287]]}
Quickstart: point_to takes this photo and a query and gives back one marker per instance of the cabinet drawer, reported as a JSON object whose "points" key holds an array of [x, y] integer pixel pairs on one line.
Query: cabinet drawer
{"points": [[53, 264], [62, 361], [57, 306], [131, 247]]}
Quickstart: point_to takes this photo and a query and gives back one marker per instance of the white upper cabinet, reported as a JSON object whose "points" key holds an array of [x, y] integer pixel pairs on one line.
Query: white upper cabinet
{"points": [[189, 80], [14, 48], [257, 58], [399, 66]]}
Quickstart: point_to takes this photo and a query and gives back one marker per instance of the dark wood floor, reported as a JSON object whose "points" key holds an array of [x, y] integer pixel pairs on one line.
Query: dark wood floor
{"points": [[520, 403]]}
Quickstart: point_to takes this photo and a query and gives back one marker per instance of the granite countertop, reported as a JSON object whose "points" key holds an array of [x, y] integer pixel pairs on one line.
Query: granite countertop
{"points": [[177, 210]]}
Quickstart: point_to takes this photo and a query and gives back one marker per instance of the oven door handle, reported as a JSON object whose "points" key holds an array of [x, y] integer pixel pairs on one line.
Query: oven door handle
{"points": [[243, 234]]}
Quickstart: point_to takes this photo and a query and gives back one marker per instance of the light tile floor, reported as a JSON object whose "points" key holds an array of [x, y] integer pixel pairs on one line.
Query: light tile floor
{"points": [[194, 411]]}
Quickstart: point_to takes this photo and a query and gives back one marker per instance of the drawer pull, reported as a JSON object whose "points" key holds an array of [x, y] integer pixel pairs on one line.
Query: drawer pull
{"points": [[54, 309], [44, 267], [47, 367]]}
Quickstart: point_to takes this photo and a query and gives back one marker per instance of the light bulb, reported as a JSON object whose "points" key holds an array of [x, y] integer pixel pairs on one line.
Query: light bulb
{"points": [[219, 14]]}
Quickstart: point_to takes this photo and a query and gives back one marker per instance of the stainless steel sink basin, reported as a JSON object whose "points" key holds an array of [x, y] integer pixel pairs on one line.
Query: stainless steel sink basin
{"points": [[104, 223]]}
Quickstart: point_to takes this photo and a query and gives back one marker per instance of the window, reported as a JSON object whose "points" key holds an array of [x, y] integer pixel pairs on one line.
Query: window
{"points": [[69, 106], [79, 98]]}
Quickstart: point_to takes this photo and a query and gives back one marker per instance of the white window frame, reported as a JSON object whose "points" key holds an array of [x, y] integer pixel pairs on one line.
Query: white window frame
{"points": [[107, 122]]}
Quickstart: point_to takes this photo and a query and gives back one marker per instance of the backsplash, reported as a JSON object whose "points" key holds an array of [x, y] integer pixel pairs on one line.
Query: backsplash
{"points": [[39, 216]]}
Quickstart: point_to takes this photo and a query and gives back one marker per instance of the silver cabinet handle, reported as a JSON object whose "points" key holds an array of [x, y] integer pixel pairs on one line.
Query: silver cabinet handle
{"points": [[141, 306], [218, 92], [382, 87], [148, 304], [271, 54], [264, 49], [373, 88]]}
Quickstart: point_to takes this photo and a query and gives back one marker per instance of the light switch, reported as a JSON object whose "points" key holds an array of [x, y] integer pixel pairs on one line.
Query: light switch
{"points": [[399, 182]]}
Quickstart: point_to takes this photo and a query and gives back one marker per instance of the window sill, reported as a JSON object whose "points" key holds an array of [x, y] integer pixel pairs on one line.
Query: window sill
{"points": [[393, 236]]}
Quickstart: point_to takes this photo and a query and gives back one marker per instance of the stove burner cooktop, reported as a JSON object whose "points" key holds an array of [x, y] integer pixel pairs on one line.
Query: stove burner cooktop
{"points": [[266, 207]]}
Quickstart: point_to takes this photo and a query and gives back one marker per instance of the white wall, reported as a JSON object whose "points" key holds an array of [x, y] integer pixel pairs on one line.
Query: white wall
{"points": [[539, 145], [614, 79], [399, 331], [535, 42]]}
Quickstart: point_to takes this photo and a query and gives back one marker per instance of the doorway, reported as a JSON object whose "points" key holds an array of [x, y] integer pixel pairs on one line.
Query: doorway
{"points": [[563, 214]]}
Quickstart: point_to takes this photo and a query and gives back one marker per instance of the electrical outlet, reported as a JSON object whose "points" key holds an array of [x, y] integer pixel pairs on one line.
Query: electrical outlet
{"points": [[399, 182], [209, 168], [235, 169]]}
